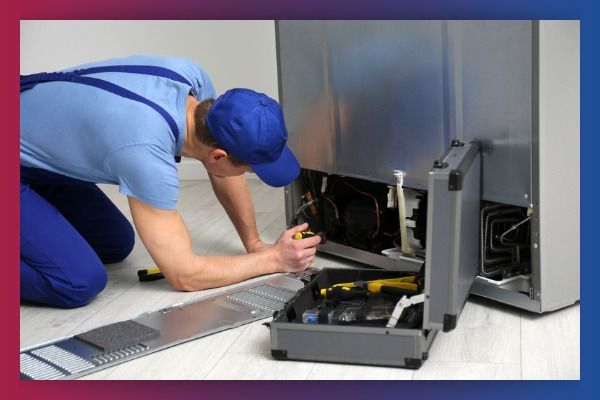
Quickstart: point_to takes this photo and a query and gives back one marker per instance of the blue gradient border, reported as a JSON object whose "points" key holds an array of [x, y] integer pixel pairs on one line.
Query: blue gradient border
{"points": [[308, 9]]}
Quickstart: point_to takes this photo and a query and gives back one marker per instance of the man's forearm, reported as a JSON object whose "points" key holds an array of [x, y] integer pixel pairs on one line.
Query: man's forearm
{"points": [[205, 272], [234, 195], [165, 235]]}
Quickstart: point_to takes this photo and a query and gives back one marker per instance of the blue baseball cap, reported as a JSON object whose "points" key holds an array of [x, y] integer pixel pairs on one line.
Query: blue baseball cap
{"points": [[250, 126]]}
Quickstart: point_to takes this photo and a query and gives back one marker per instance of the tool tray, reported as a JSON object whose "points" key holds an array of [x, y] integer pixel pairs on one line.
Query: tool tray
{"points": [[353, 343]]}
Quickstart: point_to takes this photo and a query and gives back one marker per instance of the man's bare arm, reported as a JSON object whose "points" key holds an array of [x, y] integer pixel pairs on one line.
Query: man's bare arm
{"points": [[167, 239], [235, 197]]}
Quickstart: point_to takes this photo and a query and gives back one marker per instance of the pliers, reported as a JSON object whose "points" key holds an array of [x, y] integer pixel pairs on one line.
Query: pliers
{"points": [[397, 286]]}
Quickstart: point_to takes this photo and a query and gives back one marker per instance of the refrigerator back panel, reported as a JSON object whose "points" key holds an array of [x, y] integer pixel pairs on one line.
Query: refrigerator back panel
{"points": [[490, 101], [363, 98]]}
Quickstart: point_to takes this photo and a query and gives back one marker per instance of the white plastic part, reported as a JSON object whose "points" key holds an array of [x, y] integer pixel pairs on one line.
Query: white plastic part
{"points": [[324, 185], [406, 249], [392, 199], [404, 302]]}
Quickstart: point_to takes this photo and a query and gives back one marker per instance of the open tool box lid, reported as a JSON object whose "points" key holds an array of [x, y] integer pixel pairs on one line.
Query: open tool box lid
{"points": [[452, 254], [451, 264]]}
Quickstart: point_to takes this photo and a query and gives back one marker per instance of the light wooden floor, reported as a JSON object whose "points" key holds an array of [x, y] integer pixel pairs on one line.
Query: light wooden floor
{"points": [[492, 341]]}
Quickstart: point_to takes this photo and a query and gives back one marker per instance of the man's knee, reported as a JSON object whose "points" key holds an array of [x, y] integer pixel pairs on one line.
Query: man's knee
{"points": [[81, 291], [120, 246]]}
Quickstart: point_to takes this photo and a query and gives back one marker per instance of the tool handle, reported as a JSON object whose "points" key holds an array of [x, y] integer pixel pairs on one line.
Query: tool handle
{"points": [[309, 233], [304, 235], [396, 291], [151, 277], [344, 293], [149, 274]]}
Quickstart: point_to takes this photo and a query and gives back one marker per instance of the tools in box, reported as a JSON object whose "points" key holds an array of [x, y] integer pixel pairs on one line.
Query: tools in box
{"points": [[349, 321], [377, 302]]}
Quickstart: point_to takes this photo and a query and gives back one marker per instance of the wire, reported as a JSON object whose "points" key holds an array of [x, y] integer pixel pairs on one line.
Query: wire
{"points": [[304, 206], [392, 234], [335, 209], [512, 228], [376, 206]]}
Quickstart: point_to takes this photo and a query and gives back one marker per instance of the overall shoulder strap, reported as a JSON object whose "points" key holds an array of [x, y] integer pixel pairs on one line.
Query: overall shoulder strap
{"points": [[29, 81], [136, 69]]}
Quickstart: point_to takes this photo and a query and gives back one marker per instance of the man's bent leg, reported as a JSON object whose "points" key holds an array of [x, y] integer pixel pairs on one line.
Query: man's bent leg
{"points": [[58, 267], [95, 217]]}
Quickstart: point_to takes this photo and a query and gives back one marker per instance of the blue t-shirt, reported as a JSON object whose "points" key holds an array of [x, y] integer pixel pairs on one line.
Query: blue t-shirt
{"points": [[93, 135]]}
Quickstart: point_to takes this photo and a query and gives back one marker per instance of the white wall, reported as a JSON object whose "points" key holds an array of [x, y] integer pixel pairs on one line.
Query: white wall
{"points": [[234, 53]]}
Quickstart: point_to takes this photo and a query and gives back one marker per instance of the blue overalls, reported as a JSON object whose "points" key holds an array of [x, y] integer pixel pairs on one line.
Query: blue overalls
{"points": [[69, 228]]}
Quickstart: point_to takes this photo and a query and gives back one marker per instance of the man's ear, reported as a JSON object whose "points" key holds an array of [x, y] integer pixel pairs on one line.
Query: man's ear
{"points": [[217, 154]]}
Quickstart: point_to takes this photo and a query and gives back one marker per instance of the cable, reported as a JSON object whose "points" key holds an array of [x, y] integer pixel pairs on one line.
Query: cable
{"points": [[304, 206], [512, 228], [335, 209], [395, 234], [376, 206]]}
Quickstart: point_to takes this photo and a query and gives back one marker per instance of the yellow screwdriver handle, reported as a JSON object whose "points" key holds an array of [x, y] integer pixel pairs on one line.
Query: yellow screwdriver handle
{"points": [[303, 235]]}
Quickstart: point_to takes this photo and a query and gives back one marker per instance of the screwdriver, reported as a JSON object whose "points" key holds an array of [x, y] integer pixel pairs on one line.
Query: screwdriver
{"points": [[308, 233], [150, 274]]}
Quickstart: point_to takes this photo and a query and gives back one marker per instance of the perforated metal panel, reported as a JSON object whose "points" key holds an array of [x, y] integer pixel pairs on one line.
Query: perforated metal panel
{"points": [[52, 362], [72, 357], [263, 298]]}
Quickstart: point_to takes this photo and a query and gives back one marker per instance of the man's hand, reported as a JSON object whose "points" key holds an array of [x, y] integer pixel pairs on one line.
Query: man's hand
{"points": [[294, 255]]}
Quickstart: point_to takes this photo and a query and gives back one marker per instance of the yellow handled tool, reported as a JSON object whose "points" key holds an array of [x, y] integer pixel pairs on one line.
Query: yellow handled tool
{"points": [[309, 233], [150, 274], [374, 286], [304, 235]]}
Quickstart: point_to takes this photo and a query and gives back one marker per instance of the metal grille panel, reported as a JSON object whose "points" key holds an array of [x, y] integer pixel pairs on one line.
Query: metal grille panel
{"points": [[63, 359], [272, 292], [35, 368], [118, 354], [264, 297]]}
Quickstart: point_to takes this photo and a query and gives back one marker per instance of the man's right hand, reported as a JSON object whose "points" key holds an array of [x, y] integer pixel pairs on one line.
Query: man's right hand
{"points": [[294, 255]]}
